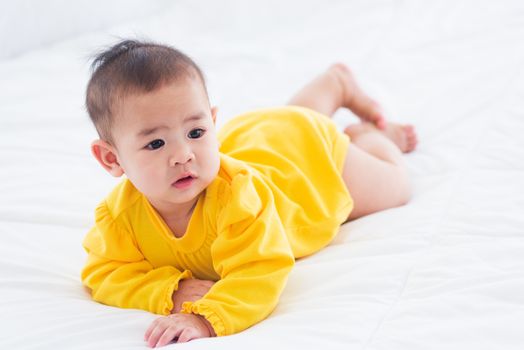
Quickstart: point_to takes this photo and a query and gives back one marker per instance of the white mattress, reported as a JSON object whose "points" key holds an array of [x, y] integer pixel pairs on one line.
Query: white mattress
{"points": [[444, 272]]}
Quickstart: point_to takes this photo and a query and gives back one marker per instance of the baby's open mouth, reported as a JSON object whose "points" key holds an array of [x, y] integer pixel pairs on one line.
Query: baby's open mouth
{"points": [[184, 182], [184, 179]]}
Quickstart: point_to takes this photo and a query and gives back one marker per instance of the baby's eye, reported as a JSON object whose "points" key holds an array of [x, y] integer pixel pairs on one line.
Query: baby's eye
{"points": [[156, 144], [196, 133]]}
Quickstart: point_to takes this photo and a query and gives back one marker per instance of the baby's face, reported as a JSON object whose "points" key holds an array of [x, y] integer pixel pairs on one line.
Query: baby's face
{"points": [[167, 135]]}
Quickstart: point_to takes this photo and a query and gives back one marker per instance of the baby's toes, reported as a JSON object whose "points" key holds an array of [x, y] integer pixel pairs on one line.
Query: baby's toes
{"points": [[411, 137], [412, 144], [412, 140]]}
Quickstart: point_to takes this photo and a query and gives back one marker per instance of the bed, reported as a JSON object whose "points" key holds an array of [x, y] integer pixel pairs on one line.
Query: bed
{"points": [[445, 271]]}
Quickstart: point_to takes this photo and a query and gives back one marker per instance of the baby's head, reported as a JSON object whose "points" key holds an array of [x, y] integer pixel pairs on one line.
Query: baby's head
{"points": [[150, 107]]}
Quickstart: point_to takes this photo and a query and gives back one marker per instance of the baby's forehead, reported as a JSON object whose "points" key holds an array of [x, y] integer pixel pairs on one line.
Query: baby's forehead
{"points": [[129, 95], [190, 84], [177, 102]]}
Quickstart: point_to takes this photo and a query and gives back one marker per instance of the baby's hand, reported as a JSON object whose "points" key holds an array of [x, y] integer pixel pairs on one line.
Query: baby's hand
{"points": [[190, 290], [185, 327]]}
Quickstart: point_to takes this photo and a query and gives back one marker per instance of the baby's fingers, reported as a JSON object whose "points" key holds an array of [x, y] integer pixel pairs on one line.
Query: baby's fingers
{"points": [[160, 333], [169, 334], [188, 334], [155, 335], [152, 327]]}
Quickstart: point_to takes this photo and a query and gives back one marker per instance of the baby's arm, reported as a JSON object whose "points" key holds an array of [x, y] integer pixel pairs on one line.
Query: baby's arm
{"points": [[132, 284], [253, 258], [118, 274], [189, 290], [185, 327]]}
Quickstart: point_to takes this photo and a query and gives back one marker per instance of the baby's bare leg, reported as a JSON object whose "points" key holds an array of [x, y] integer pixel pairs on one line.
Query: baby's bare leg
{"points": [[374, 170], [336, 88]]}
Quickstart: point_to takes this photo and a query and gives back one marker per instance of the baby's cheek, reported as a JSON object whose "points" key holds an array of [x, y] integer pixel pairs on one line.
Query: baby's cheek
{"points": [[214, 164], [149, 178]]}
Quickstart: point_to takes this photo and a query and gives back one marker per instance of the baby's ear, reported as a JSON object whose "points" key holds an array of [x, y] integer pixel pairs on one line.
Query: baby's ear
{"points": [[107, 157], [214, 111]]}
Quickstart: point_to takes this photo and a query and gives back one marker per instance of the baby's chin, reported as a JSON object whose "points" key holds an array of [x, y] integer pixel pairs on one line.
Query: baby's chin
{"points": [[169, 203]]}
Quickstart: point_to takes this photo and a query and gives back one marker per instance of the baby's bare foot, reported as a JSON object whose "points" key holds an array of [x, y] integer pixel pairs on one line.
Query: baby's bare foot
{"points": [[355, 99], [402, 135]]}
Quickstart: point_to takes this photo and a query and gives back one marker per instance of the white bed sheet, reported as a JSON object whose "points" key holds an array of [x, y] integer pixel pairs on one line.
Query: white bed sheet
{"points": [[445, 271]]}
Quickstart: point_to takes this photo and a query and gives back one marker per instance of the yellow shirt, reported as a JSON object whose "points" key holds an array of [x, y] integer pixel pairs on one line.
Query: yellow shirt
{"points": [[278, 196]]}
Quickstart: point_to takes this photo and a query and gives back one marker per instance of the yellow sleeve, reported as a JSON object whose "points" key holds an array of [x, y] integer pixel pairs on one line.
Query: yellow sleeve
{"points": [[117, 273], [252, 256]]}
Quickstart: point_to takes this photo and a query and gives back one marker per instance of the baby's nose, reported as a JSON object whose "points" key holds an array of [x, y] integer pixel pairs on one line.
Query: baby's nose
{"points": [[181, 155]]}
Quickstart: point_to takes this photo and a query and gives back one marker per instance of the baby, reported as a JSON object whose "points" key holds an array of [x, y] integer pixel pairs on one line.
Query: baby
{"points": [[206, 226]]}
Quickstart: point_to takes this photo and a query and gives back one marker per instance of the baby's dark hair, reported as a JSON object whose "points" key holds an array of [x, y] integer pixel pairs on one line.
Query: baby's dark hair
{"points": [[130, 67]]}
